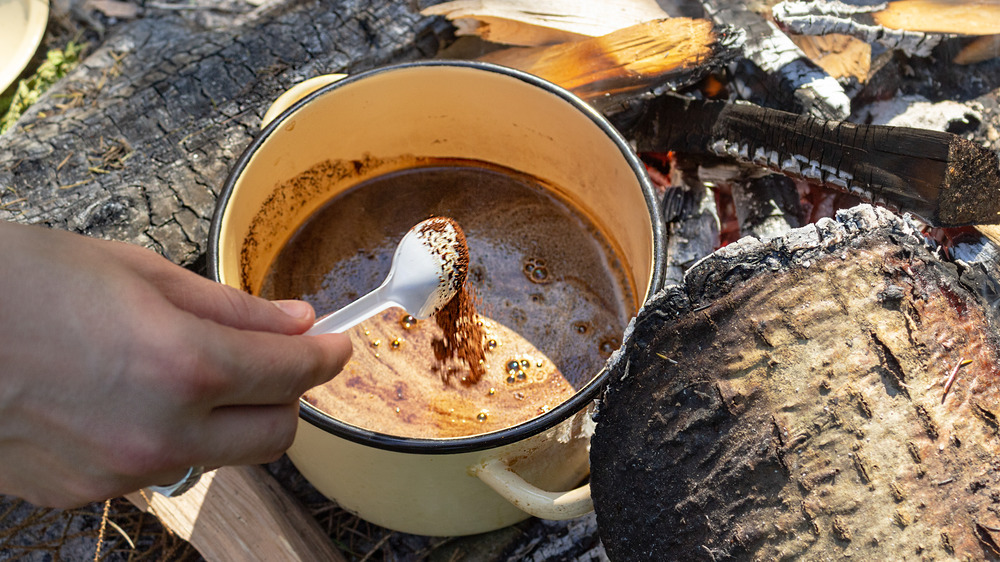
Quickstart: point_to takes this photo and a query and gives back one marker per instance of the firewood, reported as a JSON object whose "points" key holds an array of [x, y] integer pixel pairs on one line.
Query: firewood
{"points": [[941, 177], [532, 23], [841, 56], [830, 393], [810, 18], [777, 73], [981, 17], [979, 50], [670, 51], [912, 26], [241, 513]]}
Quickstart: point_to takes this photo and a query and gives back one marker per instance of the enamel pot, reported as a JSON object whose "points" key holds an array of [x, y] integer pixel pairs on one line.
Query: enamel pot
{"points": [[431, 486]]}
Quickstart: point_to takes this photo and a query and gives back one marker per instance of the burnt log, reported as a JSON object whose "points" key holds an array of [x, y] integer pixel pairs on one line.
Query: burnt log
{"points": [[774, 71], [766, 206], [826, 394], [945, 179], [136, 142]]}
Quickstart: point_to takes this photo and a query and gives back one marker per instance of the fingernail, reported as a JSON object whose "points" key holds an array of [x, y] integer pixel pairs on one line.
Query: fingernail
{"points": [[299, 310]]}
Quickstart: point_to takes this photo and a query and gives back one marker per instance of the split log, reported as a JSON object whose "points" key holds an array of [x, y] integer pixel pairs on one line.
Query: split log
{"points": [[776, 72], [830, 393], [660, 55], [135, 144], [533, 23], [241, 513], [824, 18], [913, 26], [941, 16], [945, 179]]}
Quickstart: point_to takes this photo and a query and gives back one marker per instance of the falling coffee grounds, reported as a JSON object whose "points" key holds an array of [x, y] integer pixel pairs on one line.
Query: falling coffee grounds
{"points": [[464, 337]]}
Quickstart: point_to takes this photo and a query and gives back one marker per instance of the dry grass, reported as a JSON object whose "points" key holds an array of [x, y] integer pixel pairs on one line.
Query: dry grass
{"points": [[28, 532]]}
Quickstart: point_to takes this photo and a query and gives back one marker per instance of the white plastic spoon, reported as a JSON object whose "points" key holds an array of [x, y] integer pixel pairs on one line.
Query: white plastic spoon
{"points": [[428, 269]]}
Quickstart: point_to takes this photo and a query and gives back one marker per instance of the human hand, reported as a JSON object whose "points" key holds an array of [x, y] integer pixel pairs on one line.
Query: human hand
{"points": [[119, 369]]}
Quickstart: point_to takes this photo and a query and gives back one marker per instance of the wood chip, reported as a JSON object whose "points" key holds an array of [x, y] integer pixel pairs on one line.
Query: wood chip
{"points": [[942, 16], [982, 49], [115, 8], [533, 23]]}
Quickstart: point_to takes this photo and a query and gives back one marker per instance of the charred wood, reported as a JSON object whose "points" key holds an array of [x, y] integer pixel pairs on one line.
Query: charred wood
{"points": [[775, 72], [136, 142], [824, 18], [941, 177], [766, 206], [691, 220], [791, 400]]}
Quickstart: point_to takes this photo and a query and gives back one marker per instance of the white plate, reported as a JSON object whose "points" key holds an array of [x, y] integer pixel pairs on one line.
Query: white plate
{"points": [[22, 25]]}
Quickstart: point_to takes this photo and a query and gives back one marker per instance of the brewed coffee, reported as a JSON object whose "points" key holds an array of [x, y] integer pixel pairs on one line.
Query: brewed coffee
{"points": [[546, 276]]}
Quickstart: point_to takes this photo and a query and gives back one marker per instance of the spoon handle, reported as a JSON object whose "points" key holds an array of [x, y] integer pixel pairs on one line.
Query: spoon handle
{"points": [[352, 314]]}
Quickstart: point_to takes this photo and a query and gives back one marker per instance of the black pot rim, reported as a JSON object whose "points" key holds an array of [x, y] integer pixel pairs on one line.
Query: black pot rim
{"points": [[483, 441]]}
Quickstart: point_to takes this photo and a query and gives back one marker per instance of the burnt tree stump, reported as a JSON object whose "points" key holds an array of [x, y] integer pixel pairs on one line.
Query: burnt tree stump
{"points": [[135, 143], [830, 393]]}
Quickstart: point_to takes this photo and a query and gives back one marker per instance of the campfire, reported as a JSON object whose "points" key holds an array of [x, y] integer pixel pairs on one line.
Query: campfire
{"points": [[766, 405]]}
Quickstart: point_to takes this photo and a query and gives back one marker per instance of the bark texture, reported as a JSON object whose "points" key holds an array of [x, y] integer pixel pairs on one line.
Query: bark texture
{"points": [[135, 144], [827, 394]]}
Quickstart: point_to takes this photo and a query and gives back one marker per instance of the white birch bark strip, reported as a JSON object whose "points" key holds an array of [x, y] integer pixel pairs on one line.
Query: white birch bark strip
{"points": [[774, 53], [824, 18]]}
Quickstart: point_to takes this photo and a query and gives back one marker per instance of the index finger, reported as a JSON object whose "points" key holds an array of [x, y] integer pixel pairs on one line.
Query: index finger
{"points": [[261, 368]]}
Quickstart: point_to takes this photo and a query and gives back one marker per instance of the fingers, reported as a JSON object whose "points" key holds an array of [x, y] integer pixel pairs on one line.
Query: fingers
{"points": [[248, 434], [250, 383], [231, 307], [259, 368], [229, 435], [213, 301]]}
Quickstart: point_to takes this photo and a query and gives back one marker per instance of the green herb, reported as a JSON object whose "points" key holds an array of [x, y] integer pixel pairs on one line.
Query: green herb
{"points": [[58, 62]]}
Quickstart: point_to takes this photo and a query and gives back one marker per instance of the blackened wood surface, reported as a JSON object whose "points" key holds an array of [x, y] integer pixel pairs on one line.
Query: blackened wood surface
{"points": [[775, 72], [941, 177], [767, 206], [792, 401], [135, 144]]}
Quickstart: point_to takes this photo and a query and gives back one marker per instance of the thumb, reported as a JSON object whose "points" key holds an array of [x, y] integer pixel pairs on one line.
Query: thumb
{"points": [[231, 307], [247, 312]]}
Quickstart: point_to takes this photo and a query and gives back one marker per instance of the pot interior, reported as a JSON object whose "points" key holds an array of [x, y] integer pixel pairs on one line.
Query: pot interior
{"points": [[393, 121]]}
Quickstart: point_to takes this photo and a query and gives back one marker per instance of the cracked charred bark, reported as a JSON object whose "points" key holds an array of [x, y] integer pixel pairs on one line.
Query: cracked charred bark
{"points": [[831, 393], [135, 144]]}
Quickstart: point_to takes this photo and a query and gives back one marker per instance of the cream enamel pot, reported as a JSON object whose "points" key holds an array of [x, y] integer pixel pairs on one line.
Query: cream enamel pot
{"points": [[453, 486]]}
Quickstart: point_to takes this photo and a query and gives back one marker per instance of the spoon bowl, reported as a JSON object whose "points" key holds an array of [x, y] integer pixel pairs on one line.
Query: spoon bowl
{"points": [[428, 269]]}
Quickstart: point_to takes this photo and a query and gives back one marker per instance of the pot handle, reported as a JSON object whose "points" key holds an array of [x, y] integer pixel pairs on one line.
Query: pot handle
{"points": [[295, 93], [529, 498]]}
